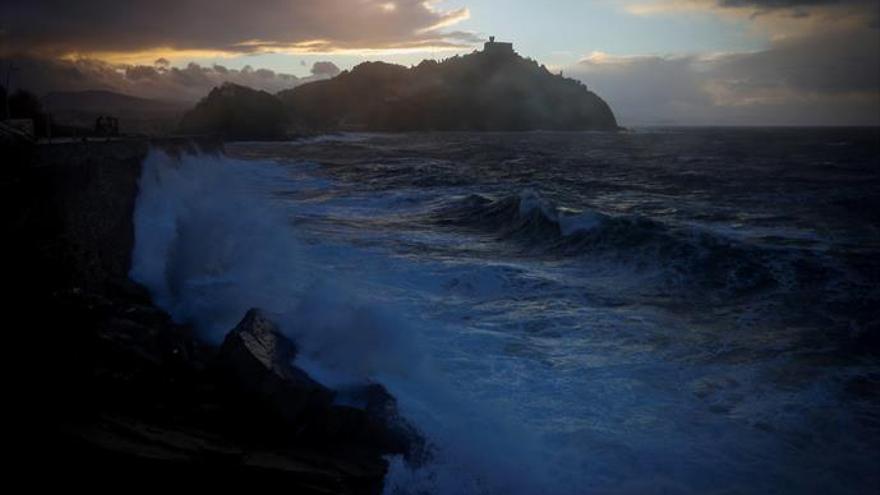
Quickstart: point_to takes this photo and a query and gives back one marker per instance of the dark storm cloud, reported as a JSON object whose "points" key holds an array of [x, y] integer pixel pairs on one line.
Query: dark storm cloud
{"points": [[141, 72], [779, 4], [832, 63], [827, 78], [647, 89], [64, 26], [821, 66], [325, 69], [870, 9], [42, 75]]}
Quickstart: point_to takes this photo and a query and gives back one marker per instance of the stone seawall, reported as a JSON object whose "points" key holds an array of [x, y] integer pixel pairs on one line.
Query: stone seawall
{"points": [[86, 193]]}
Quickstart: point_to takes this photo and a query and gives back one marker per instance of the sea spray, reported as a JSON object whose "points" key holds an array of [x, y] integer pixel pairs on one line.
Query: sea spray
{"points": [[211, 242], [206, 250]]}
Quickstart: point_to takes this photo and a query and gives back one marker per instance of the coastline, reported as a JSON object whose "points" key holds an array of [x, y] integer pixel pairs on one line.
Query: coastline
{"points": [[120, 392]]}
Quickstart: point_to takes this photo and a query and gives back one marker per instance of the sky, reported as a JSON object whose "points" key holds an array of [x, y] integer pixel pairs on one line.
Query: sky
{"points": [[657, 62]]}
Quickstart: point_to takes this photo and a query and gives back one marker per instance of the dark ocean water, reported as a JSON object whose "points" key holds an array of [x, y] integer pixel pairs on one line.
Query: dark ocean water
{"points": [[660, 311]]}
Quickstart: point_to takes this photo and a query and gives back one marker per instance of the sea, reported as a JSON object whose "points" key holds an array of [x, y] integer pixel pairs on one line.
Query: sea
{"points": [[657, 311]]}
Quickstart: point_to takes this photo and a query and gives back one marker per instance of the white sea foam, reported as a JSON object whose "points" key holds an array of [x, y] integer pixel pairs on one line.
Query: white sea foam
{"points": [[569, 222]]}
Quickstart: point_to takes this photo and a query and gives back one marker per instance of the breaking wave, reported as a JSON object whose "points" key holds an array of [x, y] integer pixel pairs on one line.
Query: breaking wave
{"points": [[689, 258], [527, 340], [211, 243]]}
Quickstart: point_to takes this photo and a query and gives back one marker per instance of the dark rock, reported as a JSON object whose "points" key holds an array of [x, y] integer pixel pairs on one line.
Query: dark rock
{"points": [[259, 359], [125, 289], [386, 428], [120, 449]]}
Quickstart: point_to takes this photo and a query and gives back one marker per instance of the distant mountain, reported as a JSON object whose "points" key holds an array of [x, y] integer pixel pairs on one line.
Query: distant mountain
{"points": [[495, 89], [106, 102], [236, 112], [136, 115]]}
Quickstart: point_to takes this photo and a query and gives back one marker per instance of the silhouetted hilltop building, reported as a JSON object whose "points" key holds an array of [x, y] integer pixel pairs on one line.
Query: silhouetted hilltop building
{"points": [[493, 47], [490, 90]]}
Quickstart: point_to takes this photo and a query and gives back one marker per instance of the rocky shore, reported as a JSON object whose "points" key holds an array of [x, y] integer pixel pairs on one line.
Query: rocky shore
{"points": [[109, 390]]}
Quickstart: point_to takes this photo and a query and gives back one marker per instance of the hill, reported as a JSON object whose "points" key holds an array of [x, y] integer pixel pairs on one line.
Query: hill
{"points": [[136, 115], [236, 112], [105, 101], [492, 90]]}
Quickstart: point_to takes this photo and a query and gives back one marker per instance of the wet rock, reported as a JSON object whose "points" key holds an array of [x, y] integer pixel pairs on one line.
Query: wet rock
{"points": [[382, 425], [258, 358], [114, 450], [391, 430]]}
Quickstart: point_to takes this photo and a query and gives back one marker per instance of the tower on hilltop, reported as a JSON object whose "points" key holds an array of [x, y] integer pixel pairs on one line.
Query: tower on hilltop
{"points": [[497, 47]]}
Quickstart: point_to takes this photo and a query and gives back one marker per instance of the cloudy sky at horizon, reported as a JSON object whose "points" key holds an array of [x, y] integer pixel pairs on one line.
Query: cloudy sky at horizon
{"points": [[686, 62]]}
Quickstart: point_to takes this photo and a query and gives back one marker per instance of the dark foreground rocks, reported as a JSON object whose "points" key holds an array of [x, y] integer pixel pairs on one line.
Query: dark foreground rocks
{"points": [[131, 395], [107, 393], [258, 359]]}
